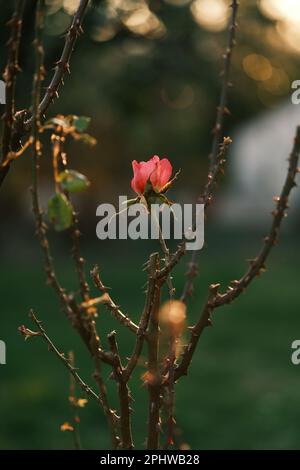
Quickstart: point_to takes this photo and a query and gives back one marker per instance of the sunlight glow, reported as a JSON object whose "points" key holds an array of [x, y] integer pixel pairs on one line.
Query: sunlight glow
{"points": [[70, 6], [284, 10], [287, 14], [211, 14]]}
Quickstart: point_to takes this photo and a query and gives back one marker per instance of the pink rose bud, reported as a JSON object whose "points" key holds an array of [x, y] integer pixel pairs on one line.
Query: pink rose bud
{"points": [[157, 171]]}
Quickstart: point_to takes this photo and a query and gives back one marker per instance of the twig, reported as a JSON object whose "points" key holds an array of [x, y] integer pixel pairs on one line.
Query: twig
{"points": [[206, 199], [63, 65], [171, 350], [60, 164], [111, 416], [154, 376], [68, 304], [174, 260], [257, 266], [143, 324], [73, 400], [124, 394], [222, 108], [61, 356], [78, 258], [196, 332], [10, 78], [115, 310], [41, 228], [218, 152]]}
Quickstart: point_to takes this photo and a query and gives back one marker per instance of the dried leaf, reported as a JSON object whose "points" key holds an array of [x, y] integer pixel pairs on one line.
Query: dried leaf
{"points": [[66, 427]]}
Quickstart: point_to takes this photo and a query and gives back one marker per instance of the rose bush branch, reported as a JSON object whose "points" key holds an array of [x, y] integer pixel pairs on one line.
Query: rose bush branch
{"points": [[151, 267], [222, 109], [17, 125], [110, 304], [73, 404], [206, 199], [154, 379], [257, 265], [63, 65], [123, 393], [61, 356], [10, 78], [217, 155]]}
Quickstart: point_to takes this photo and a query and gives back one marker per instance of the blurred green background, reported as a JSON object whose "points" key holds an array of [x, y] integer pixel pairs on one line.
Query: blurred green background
{"points": [[148, 75]]}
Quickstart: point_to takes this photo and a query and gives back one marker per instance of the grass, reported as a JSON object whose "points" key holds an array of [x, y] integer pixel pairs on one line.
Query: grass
{"points": [[242, 391]]}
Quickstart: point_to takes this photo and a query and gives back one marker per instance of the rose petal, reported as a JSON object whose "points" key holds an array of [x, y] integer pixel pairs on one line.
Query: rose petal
{"points": [[161, 174], [141, 174]]}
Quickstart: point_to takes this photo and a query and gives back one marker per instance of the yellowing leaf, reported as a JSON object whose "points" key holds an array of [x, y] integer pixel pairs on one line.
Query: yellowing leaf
{"points": [[66, 427], [81, 402]]}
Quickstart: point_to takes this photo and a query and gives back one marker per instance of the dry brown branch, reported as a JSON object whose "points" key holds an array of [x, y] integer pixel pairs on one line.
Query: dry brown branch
{"points": [[22, 125], [74, 408], [61, 356], [111, 306], [63, 64], [143, 324], [153, 379], [85, 326], [124, 394], [222, 107], [10, 78], [218, 152], [206, 199]]}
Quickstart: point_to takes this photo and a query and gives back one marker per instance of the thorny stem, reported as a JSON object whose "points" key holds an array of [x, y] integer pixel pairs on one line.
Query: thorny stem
{"points": [[61, 356], [222, 107], [171, 349], [170, 398], [124, 394], [72, 399], [86, 327], [218, 153], [112, 307], [41, 228], [78, 258], [217, 157], [143, 324], [72, 311], [174, 260], [10, 78], [60, 164], [257, 265], [154, 376], [111, 416], [63, 65], [206, 199]]}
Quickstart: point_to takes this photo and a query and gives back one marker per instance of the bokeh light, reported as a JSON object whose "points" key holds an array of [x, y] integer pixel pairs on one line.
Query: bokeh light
{"points": [[257, 67], [210, 14]]}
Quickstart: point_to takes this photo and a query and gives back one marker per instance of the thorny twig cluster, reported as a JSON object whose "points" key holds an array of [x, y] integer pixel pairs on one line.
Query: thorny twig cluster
{"points": [[161, 373]]}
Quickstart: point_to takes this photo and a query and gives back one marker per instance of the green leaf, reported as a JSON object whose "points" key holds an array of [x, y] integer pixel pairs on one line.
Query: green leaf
{"points": [[73, 181], [60, 212], [81, 123]]}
